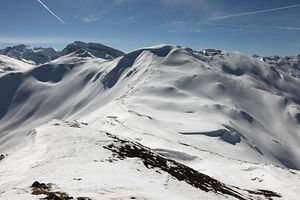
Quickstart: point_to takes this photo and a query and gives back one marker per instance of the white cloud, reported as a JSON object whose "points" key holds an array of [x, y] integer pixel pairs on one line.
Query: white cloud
{"points": [[23, 40], [287, 28], [186, 3], [255, 12], [180, 26], [119, 1], [90, 19]]}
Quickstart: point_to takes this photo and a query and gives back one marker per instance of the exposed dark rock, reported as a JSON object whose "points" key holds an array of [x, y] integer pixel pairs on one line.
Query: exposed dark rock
{"points": [[268, 194], [45, 189], [2, 156], [123, 149], [83, 198], [37, 184]]}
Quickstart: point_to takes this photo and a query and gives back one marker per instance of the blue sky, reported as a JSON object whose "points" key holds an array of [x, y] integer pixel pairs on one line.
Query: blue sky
{"points": [[264, 27]]}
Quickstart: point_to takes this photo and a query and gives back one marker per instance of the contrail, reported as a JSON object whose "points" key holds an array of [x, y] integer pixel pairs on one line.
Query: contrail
{"points": [[255, 12], [51, 11]]}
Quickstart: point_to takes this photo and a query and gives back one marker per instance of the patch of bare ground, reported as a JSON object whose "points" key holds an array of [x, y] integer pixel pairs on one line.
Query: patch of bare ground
{"points": [[45, 189], [123, 149], [268, 194]]}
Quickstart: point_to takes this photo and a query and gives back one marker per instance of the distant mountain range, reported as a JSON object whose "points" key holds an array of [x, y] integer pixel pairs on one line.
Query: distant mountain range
{"points": [[39, 55]]}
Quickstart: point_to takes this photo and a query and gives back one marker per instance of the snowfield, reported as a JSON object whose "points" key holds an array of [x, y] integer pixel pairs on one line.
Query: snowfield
{"points": [[83, 162], [163, 122]]}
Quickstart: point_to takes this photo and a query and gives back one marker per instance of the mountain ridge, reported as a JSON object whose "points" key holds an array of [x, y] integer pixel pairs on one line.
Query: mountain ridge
{"points": [[39, 55]]}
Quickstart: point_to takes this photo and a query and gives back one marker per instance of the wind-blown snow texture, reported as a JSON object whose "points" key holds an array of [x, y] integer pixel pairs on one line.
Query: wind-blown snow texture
{"points": [[215, 111]]}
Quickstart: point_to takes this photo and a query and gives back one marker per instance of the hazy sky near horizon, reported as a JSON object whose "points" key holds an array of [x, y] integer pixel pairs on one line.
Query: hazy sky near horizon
{"points": [[264, 27]]}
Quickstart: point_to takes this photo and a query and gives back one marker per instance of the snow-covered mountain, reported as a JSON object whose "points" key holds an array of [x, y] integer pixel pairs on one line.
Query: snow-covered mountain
{"points": [[163, 122], [39, 55], [289, 64], [96, 49]]}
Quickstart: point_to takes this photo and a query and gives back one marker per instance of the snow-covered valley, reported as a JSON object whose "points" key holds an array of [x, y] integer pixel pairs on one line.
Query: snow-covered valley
{"points": [[163, 122]]}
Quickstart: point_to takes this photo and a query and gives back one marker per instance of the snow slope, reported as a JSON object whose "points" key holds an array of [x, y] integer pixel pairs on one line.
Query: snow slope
{"points": [[80, 161], [215, 111], [8, 64]]}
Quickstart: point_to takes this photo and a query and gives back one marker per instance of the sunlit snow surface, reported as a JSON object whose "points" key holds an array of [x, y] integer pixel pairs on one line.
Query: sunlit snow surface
{"points": [[224, 114], [8, 64]]}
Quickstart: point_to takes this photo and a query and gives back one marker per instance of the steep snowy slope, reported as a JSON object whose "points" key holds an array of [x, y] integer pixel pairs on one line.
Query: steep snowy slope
{"points": [[217, 112], [8, 64]]}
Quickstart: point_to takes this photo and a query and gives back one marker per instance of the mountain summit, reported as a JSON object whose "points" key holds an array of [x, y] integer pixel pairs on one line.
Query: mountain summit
{"points": [[96, 49]]}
